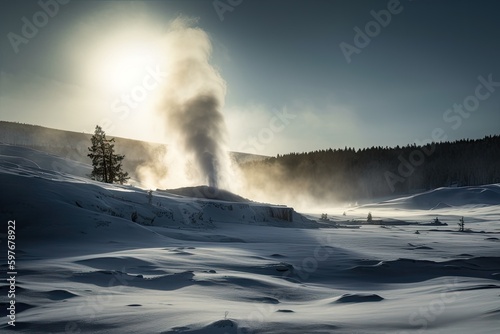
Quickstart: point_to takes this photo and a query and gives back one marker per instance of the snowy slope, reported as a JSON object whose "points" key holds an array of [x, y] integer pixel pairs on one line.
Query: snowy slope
{"points": [[450, 197], [212, 265], [61, 206]]}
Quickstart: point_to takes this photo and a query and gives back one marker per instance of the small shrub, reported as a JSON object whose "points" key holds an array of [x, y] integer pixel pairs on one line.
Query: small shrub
{"points": [[134, 216]]}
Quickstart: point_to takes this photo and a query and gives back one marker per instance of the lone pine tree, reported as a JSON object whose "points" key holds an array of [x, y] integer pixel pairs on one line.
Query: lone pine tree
{"points": [[107, 166]]}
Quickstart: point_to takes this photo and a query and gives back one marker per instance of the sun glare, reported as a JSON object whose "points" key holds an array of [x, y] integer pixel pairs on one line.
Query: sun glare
{"points": [[121, 61], [127, 66]]}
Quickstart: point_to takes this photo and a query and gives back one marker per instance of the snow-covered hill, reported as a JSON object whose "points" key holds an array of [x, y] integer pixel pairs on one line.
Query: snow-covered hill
{"points": [[98, 258], [449, 197]]}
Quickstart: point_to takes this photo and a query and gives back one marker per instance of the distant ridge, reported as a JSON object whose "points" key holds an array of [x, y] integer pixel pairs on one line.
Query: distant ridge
{"points": [[73, 145], [61, 142]]}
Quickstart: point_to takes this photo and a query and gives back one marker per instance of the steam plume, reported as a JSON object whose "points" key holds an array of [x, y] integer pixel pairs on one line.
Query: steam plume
{"points": [[193, 100]]}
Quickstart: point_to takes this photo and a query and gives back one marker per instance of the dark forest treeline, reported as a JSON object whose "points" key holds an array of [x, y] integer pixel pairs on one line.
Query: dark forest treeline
{"points": [[347, 174]]}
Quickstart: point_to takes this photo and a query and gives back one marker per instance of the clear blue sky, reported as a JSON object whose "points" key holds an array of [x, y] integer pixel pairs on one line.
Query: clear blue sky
{"points": [[276, 57]]}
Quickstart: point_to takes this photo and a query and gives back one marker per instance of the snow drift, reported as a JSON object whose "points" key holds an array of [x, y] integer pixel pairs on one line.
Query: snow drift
{"points": [[99, 258]]}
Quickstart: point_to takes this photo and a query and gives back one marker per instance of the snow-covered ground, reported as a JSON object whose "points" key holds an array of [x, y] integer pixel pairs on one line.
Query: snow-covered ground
{"points": [[96, 258]]}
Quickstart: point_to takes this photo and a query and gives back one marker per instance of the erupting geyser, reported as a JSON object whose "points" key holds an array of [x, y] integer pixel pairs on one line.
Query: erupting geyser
{"points": [[193, 100]]}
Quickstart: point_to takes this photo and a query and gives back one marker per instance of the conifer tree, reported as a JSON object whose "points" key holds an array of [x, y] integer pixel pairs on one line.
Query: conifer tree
{"points": [[107, 166]]}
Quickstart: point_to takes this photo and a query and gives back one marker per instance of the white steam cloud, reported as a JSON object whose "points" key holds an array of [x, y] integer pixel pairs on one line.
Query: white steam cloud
{"points": [[192, 102]]}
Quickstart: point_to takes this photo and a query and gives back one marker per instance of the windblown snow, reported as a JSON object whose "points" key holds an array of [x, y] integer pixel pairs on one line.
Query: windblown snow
{"points": [[99, 258]]}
